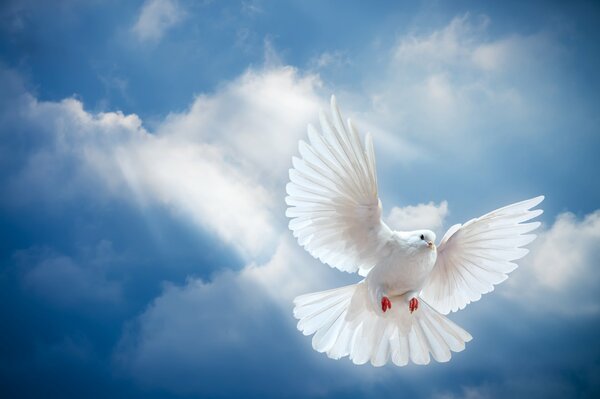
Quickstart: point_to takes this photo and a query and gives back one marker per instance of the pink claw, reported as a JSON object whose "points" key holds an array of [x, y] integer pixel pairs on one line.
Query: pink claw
{"points": [[385, 303], [413, 305]]}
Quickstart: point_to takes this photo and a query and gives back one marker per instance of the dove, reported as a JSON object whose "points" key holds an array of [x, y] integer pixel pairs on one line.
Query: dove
{"points": [[397, 312]]}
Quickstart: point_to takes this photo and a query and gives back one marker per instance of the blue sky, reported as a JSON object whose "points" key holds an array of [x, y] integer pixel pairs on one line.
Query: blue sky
{"points": [[144, 150]]}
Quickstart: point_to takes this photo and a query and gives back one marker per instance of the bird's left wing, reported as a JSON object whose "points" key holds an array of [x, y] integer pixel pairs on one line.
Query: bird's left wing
{"points": [[474, 257], [332, 196]]}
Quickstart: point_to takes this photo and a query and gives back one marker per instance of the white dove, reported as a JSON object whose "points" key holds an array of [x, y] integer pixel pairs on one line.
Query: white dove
{"points": [[396, 312]]}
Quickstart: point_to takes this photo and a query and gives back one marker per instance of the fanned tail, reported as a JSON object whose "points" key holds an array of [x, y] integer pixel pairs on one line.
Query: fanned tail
{"points": [[344, 324]]}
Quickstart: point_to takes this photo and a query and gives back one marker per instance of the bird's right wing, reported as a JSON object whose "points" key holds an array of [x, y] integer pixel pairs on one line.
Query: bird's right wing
{"points": [[474, 257], [332, 196]]}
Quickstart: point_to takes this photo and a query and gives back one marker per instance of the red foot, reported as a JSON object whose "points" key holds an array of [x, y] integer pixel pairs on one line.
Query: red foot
{"points": [[413, 305], [385, 304]]}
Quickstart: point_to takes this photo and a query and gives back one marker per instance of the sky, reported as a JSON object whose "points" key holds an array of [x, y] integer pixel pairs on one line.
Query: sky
{"points": [[144, 152]]}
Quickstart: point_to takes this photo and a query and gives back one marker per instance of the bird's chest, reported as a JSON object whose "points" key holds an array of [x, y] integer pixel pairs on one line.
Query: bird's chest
{"points": [[404, 272]]}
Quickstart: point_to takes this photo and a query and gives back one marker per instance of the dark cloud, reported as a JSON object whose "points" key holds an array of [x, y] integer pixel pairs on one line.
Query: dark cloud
{"points": [[70, 282]]}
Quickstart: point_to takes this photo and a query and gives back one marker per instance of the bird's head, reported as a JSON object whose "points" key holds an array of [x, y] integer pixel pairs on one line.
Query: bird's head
{"points": [[422, 239]]}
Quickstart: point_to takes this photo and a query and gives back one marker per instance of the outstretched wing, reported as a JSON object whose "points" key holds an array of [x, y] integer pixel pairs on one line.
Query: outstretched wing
{"points": [[332, 196], [474, 257]]}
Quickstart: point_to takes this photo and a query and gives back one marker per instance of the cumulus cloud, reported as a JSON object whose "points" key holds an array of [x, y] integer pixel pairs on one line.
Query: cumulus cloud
{"points": [[562, 263], [195, 181], [195, 334], [255, 119], [224, 160], [567, 250], [156, 18], [221, 164], [68, 153], [291, 271], [429, 216], [462, 43], [446, 89]]}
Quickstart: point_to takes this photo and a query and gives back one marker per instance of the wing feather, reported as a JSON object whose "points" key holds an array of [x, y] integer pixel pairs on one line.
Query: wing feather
{"points": [[332, 197], [474, 257]]}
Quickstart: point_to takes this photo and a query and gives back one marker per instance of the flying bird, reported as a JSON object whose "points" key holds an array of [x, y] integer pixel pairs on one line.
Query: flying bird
{"points": [[397, 312]]}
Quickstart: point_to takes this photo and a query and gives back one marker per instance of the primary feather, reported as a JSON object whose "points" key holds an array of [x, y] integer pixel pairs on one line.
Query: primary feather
{"points": [[474, 257], [332, 196]]}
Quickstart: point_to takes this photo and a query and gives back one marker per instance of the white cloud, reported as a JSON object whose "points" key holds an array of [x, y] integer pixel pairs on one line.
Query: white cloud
{"points": [[456, 91], [291, 271], [494, 56], [559, 275], [465, 43], [566, 252], [422, 216], [453, 44], [70, 153], [156, 18], [197, 332], [196, 181], [175, 342], [222, 163], [256, 119]]}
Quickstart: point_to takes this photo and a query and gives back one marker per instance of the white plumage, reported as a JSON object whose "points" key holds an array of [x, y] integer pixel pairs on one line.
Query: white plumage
{"points": [[395, 313]]}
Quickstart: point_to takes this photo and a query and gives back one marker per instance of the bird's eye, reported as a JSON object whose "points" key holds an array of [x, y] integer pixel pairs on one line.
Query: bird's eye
{"points": [[422, 237]]}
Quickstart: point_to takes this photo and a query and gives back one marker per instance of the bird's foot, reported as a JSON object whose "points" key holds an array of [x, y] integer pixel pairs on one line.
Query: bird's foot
{"points": [[385, 303], [413, 305]]}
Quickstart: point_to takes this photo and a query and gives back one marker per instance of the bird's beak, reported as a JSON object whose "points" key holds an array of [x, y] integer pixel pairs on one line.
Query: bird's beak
{"points": [[430, 244]]}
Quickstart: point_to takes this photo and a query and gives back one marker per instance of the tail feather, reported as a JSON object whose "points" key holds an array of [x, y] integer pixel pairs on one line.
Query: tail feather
{"points": [[341, 347], [399, 348], [344, 324], [319, 310], [440, 350], [327, 336]]}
